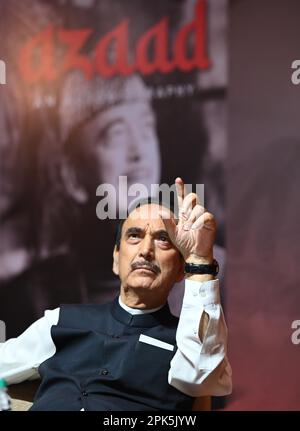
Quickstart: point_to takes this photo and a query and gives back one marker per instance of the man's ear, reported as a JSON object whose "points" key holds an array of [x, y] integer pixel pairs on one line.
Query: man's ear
{"points": [[71, 183], [115, 267]]}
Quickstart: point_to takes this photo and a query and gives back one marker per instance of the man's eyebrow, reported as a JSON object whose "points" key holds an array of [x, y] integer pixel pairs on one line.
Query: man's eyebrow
{"points": [[135, 230], [138, 230]]}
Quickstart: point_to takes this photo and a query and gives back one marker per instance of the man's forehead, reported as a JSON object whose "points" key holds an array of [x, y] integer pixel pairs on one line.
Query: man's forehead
{"points": [[148, 215]]}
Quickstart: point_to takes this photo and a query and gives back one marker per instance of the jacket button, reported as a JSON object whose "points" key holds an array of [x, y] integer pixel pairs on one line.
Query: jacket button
{"points": [[84, 393], [104, 372]]}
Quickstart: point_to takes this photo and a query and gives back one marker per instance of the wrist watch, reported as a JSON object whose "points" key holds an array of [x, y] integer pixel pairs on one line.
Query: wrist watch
{"points": [[195, 268]]}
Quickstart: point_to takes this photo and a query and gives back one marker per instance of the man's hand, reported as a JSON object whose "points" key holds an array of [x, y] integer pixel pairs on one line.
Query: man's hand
{"points": [[195, 232]]}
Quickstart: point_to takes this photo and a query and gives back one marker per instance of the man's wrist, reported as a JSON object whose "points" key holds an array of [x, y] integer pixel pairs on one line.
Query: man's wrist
{"points": [[199, 260]]}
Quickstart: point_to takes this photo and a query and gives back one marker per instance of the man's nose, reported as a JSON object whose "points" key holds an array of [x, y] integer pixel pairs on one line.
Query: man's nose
{"points": [[147, 248]]}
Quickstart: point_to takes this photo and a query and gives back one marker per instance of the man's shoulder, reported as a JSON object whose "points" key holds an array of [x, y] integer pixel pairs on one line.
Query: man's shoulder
{"points": [[86, 307], [84, 314]]}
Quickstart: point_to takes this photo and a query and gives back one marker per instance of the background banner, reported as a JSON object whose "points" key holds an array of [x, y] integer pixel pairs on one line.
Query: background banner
{"points": [[98, 90]]}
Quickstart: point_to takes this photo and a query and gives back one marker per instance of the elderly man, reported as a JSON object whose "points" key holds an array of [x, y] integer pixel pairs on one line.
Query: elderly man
{"points": [[132, 354]]}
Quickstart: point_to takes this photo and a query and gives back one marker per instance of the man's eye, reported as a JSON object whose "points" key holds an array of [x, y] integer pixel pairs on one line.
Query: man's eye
{"points": [[163, 238], [133, 235]]}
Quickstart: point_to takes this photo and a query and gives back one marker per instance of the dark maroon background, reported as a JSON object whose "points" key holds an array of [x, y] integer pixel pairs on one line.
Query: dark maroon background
{"points": [[263, 213]]}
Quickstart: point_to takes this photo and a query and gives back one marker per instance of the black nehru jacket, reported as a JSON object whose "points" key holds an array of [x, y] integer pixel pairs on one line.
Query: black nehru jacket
{"points": [[101, 365]]}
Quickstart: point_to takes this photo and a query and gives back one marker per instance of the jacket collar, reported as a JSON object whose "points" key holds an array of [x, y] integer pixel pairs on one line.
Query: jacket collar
{"points": [[161, 316]]}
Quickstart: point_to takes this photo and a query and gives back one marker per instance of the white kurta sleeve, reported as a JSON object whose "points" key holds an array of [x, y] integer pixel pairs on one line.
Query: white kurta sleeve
{"points": [[20, 357], [201, 368]]}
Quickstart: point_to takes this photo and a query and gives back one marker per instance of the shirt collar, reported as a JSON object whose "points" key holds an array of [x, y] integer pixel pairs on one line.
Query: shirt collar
{"points": [[135, 311]]}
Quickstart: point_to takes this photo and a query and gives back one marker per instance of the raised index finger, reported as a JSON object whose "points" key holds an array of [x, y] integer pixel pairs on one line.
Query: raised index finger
{"points": [[180, 190]]}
